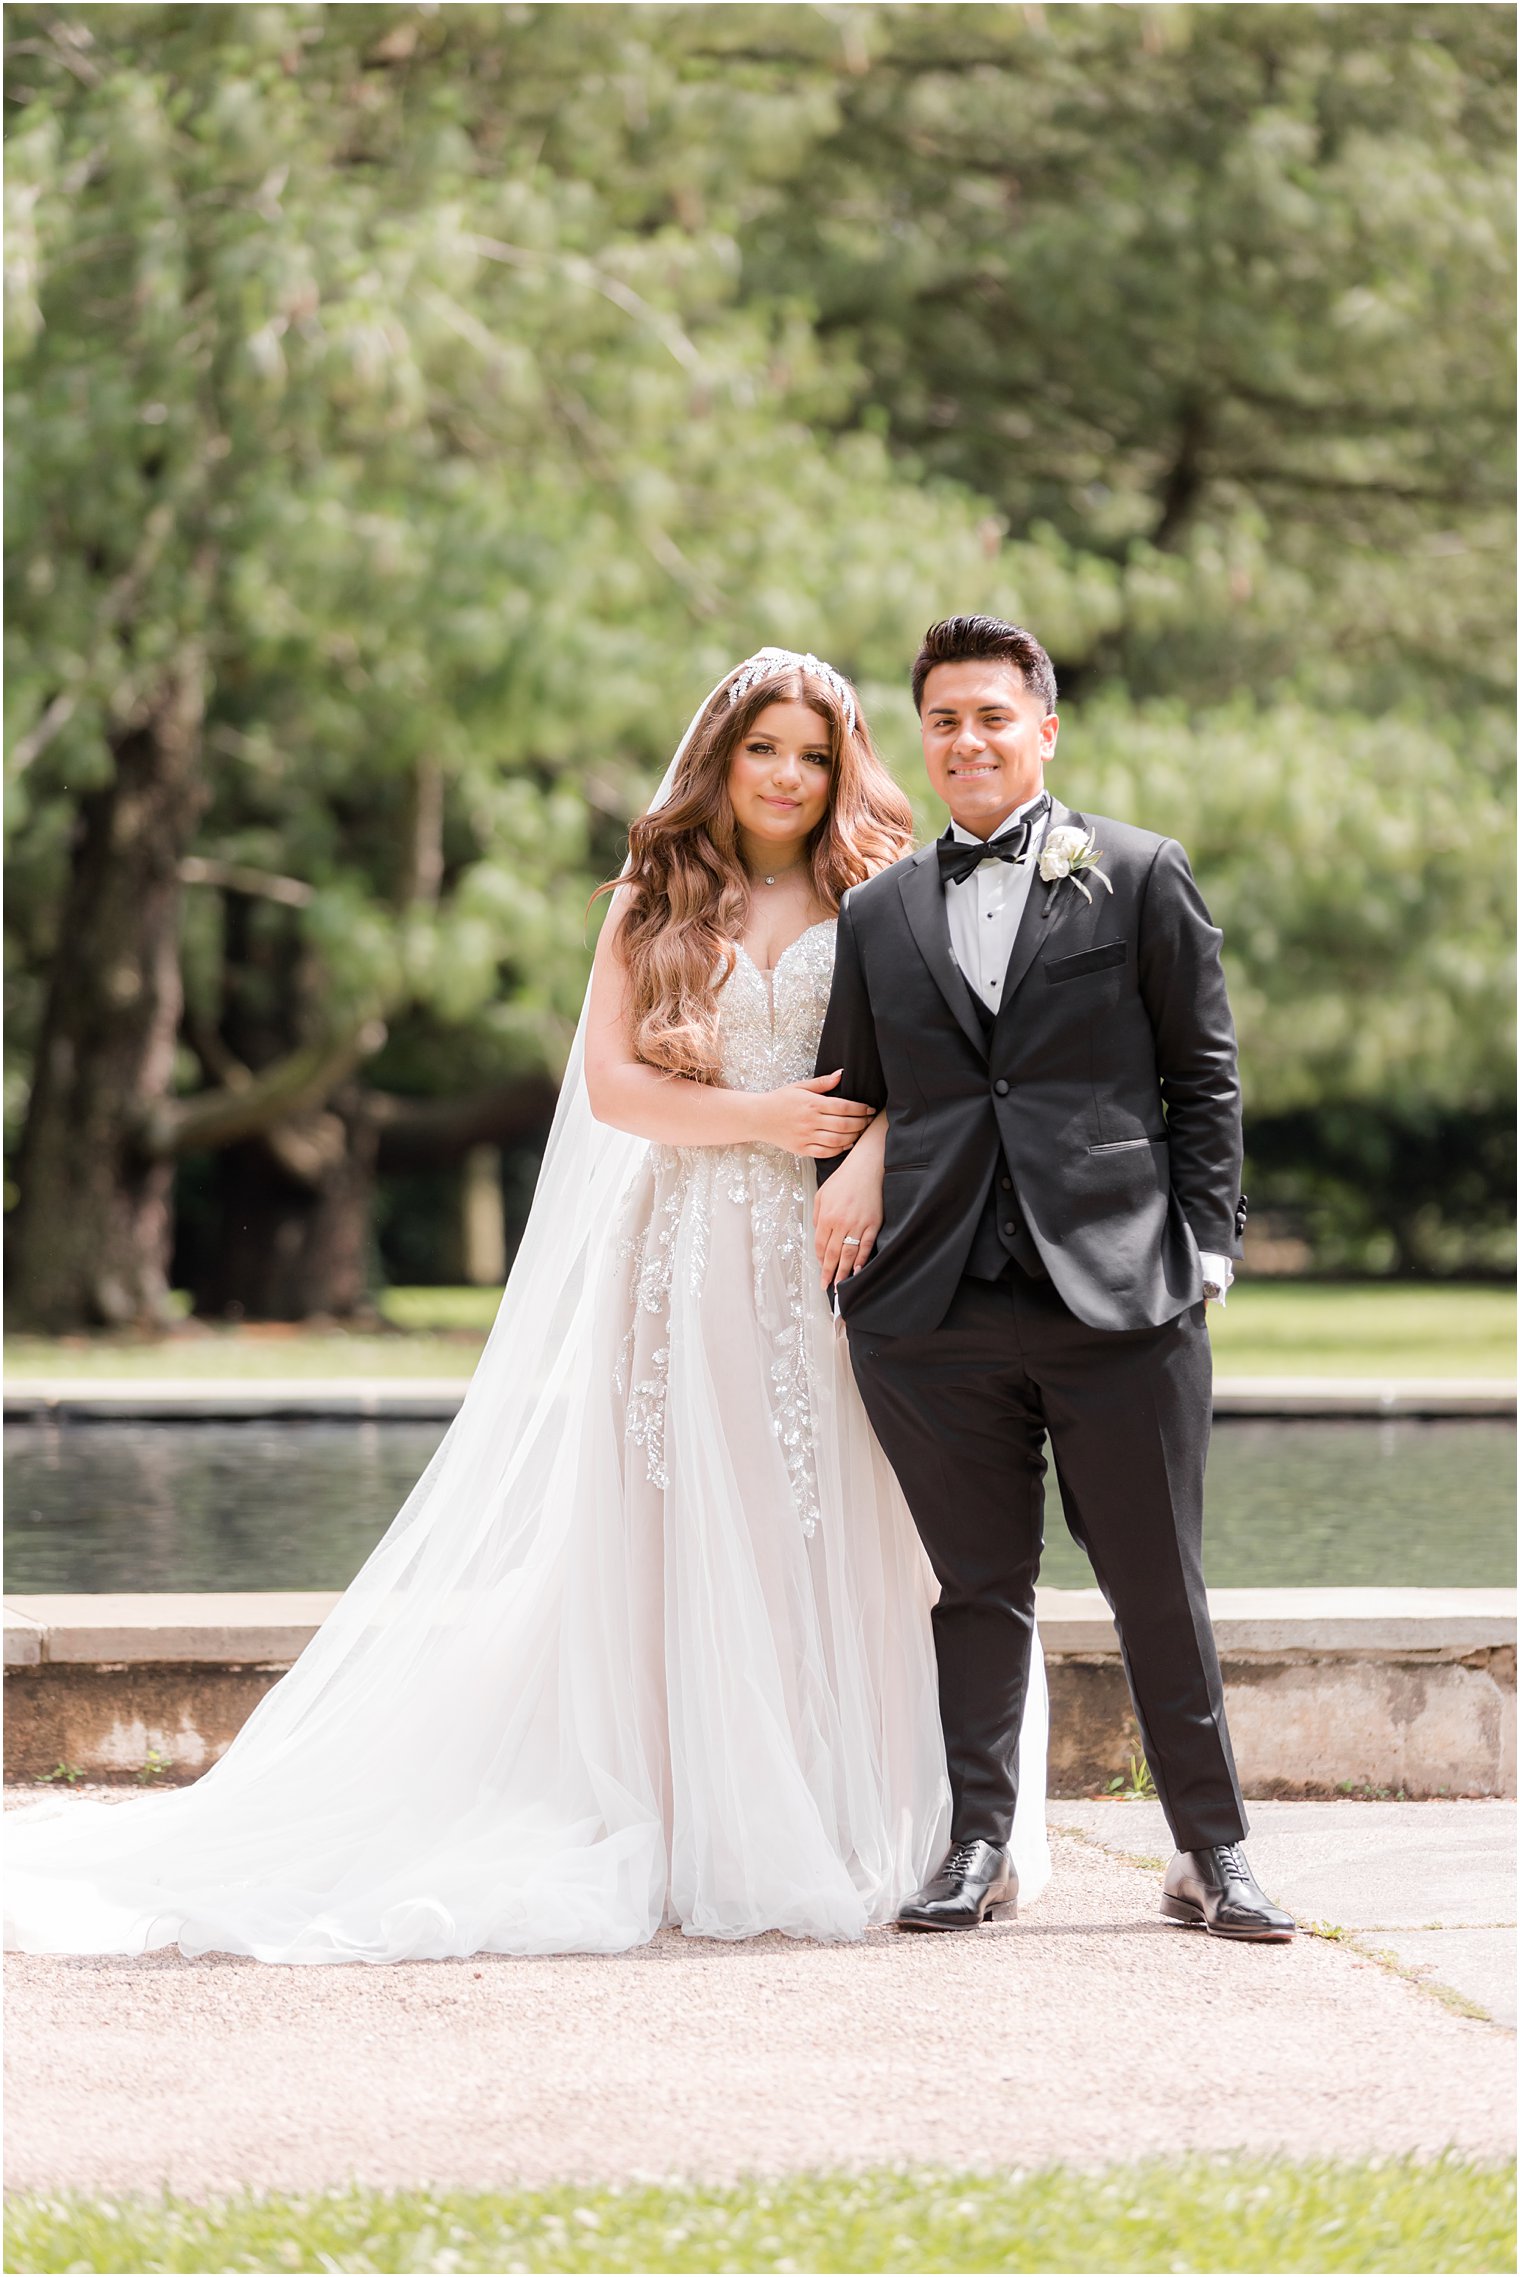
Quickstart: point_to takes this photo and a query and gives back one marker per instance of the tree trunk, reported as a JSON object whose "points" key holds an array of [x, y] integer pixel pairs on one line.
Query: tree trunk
{"points": [[1185, 480], [483, 1221], [297, 1210], [91, 1239], [295, 1205]]}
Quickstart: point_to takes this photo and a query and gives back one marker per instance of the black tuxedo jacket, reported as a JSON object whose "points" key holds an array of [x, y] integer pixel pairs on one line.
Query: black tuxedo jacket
{"points": [[1109, 1084]]}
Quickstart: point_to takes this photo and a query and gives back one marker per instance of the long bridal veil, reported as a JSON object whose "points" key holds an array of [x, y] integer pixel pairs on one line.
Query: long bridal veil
{"points": [[464, 1706]]}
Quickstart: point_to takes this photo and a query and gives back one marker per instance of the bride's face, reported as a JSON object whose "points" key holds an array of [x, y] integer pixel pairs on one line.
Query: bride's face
{"points": [[778, 778]]}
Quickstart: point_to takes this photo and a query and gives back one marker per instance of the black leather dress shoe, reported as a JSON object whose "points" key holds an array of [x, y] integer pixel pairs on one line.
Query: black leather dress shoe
{"points": [[974, 1880], [1216, 1890]]}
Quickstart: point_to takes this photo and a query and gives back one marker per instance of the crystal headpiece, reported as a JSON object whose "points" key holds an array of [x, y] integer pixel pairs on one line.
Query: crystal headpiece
{"points": [[767, 661]]}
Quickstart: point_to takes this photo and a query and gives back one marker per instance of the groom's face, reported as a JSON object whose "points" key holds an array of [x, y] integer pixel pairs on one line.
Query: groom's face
{"points": [[986, 741]]}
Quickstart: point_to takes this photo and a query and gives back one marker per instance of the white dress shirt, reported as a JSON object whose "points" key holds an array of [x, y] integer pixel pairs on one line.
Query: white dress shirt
{"points": [[984, 909], [983, 913]]}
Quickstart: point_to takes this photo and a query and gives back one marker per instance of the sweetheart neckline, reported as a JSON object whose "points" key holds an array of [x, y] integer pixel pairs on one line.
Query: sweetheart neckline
{"points": [[768, 972]]}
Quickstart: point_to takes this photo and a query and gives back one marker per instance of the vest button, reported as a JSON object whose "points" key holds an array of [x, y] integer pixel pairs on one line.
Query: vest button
{"points": [[1001, 1087], [1006, 1184], [1009, 1227]]}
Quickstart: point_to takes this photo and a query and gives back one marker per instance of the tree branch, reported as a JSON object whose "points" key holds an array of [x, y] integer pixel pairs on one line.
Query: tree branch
{"points": [[279, 1093], [422, 856], [118, 600], [239, 877], [309, 1149], [584, 272], [421, 1134], [658, 544], [1344, 413], [1358, 487], [68, 42], [32, 745]]}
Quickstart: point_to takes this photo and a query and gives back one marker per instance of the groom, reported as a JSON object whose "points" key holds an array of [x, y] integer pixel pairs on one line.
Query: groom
{"points": [[1037, 1001]]}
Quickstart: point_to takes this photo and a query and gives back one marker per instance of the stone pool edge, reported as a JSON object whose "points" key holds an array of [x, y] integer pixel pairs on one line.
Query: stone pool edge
{"points": [[437, 1399], [1376, 1692]]}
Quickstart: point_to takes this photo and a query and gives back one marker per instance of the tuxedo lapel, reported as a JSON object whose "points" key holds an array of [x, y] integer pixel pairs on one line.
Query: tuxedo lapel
{"points": [[923, 900], [1044, 906]]}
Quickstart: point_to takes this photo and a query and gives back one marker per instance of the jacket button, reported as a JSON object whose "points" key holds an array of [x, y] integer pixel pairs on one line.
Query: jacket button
{"points": [[1001, 1087]]}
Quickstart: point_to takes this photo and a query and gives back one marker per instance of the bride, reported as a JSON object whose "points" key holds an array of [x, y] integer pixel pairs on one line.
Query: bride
{"points": [[649, 1641]]}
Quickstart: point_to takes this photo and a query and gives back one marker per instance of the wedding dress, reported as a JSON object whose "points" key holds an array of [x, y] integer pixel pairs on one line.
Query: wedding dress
{"points": [[649, 1642]]}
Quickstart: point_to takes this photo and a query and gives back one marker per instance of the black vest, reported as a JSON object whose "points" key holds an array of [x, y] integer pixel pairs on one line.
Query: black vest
{"points": [[1000, 1232]]}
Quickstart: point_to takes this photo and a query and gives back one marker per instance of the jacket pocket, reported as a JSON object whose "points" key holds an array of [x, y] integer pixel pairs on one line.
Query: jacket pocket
{"points": [[1090, 960], [1125, 1146]]}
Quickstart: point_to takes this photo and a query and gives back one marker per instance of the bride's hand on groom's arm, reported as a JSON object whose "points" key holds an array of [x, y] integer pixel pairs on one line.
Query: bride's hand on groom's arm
{"points": [[810, 1118], [847, 1212]]}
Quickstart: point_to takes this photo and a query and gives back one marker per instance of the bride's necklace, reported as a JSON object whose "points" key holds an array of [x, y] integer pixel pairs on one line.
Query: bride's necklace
{"points": [[770, 877]]}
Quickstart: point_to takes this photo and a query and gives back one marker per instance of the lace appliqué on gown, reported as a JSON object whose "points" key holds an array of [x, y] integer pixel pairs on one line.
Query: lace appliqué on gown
{"points": [[768, 1027]]}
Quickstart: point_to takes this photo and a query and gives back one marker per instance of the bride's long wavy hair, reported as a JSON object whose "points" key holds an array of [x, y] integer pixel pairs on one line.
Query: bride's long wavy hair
{"points": [[686, 886]]}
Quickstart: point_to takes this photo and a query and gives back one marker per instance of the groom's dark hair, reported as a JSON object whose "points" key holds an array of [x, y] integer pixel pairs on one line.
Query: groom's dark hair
{"points": [[964, 640]]}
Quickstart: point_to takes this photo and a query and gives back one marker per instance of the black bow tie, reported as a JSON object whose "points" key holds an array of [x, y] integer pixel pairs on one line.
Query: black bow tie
{"points": [[958, 861]]}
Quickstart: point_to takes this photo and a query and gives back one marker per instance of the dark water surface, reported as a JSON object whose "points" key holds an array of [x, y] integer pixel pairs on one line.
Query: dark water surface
{"points": [[297, 1505]]}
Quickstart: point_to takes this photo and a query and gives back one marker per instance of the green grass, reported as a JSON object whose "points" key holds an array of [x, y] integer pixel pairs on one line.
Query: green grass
{"points": [[453, 1310], [1187, 2214], [427, 1332], [1394, 1328], [1270, 1328]]}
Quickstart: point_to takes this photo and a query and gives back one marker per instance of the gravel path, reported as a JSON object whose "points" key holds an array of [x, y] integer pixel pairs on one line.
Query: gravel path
{"points": [[1086, 2031]]}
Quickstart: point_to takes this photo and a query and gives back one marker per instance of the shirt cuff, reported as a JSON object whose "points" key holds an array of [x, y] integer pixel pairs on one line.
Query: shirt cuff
{"points": [[1218, 1271]]}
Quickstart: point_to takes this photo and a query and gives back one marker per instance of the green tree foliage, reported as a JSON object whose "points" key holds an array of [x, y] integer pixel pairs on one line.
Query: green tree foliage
{"points": [[378, 398], [412, 410], [1216, 302], [1221, 294]]}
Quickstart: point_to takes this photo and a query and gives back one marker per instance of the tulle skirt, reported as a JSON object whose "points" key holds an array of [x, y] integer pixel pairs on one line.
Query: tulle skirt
{"points": [[649, 1644]]}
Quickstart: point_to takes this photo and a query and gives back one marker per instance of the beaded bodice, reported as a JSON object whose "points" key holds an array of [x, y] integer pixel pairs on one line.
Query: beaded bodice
{"points": [[769, 1023]]}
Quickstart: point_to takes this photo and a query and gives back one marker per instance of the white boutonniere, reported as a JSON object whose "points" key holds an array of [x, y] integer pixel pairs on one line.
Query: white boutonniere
{"points": [[1072, 853]]}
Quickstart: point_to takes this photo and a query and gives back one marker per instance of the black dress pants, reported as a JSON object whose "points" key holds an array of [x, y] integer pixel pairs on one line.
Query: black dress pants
{"points": [[962, 1414]]}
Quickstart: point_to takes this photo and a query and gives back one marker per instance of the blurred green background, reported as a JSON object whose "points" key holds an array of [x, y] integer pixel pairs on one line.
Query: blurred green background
{"points": [[413, 410]]}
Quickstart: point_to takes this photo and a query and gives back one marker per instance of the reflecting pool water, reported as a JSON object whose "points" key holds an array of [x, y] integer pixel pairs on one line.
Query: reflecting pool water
{"points": [[298, 1505]]}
